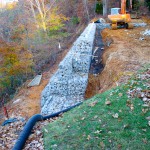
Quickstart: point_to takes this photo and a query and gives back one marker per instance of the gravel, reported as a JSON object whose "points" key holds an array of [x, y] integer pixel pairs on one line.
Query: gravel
{"points": [[140, 24], [146, 32], [67, 86], [9, 135]]}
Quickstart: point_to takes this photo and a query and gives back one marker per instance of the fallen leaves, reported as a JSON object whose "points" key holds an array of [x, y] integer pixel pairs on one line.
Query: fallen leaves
{"points": [[120, 94], [119, 147], [93, 104], [148, 118], [35, 140], [145, 105], [82, 118], [144, 130], [98, 131], [130, 105], [144, 95], [120, 110], [145, 141], [46, 130], [115, 115], [95, 117], [145, 110], [88, 138], [54, 146], [108, 102], [102, 145], [126, 126], [9, 135]]}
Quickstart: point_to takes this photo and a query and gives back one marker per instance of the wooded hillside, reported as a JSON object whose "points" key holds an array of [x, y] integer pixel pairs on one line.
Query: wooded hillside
{"points": [[33, 32]]}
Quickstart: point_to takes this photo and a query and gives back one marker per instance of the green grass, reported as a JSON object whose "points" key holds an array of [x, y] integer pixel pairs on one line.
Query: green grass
{"points": [[90, 127]]}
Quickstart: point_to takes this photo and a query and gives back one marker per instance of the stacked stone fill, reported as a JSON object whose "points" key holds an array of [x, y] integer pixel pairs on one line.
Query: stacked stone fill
{"points": [[68, 85]]}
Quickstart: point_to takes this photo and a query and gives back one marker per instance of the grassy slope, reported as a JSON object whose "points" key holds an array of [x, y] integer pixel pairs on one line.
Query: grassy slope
{"points": [[95, 125]]}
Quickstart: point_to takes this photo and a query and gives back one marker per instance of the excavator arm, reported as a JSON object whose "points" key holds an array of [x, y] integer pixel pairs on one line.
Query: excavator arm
{"points": [[123, 6], [119, 17]]}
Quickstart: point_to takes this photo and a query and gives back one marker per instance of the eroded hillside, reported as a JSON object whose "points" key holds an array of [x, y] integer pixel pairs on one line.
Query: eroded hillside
{"points": [[126, 51]]}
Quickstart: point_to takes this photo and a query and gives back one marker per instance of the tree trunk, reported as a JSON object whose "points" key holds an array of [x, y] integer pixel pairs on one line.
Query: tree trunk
{"points": [[95, 8], [105, 6], [86, 8]]}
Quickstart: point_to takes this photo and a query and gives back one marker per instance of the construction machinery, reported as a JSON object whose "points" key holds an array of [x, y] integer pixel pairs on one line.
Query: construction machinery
{"points": [[120, 18]]}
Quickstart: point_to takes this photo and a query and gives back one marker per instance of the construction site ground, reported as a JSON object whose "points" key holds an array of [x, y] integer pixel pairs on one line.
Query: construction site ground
{"points": [[126, 54], [126, 51]]}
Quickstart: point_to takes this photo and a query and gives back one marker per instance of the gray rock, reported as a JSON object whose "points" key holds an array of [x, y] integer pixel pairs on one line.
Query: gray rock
{"points": [[103, 25], [139, 24], [67, 86], [146, 32]]}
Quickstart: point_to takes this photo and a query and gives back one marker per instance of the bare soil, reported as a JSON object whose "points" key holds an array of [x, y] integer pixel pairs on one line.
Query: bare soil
{"points": [[126, 54], [29, 98]]}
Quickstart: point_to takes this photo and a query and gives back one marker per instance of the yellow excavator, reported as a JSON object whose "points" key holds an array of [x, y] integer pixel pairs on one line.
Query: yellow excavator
{"points": [[120, 18]]}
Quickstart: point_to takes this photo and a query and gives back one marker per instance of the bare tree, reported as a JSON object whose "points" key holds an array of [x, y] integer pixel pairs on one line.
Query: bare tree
{"points": [[105, 7], [86, 9], [42, 9], [95, 7]]}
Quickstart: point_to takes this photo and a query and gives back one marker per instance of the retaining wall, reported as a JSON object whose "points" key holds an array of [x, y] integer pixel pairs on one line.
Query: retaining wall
{"points": [[68, 85]]}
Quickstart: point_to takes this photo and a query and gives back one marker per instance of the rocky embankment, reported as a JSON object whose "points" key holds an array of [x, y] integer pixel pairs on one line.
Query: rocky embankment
{"points": [[126, 44], [68, 85]]}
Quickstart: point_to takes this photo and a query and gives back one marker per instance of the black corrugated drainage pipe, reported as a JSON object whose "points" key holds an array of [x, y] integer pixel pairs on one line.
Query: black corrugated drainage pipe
{"points": [[31, 122]]}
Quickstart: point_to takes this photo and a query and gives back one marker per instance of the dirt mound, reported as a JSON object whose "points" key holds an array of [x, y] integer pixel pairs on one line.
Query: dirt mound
{"points": [[126, 51], [27, 100]]}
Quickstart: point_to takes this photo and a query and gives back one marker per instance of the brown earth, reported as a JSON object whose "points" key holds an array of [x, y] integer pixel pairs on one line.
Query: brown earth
{"points": [[126, 54], [122, 58], [29, 97]]}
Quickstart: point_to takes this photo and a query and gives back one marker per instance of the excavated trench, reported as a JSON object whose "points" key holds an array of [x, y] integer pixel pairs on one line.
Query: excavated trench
{"points": [[68, 85], [96, 65], [95, 69], [93, 87], [96, 62]]}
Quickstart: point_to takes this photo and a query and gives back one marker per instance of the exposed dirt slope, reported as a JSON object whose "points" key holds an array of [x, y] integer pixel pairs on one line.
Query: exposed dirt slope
{"points": [[27, 101], [126, 54]]}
